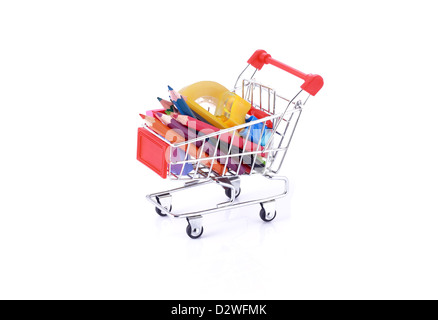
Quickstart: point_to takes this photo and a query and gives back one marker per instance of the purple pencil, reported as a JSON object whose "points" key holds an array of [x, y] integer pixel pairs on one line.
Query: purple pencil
{"points": [[175, 125]]}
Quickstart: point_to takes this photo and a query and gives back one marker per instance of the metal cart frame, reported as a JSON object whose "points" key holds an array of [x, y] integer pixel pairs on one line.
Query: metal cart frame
{"points": [[284, 116]]}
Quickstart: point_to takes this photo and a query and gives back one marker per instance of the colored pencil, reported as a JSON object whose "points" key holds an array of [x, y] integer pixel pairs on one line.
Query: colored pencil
{"points": [[198, 117], [180, 103], [206, 128], [178, 127], [209, 146], [193, 123], [167, 105], [174, 137], [178, 154], [150, 113], [238, 142]]}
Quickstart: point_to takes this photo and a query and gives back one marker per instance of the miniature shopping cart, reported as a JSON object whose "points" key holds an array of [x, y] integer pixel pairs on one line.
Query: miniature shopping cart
{"points": [[283, 115]]}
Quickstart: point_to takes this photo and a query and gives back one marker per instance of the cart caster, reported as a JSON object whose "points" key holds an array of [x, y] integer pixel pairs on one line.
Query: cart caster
{"points": [[228, 184], [194, 233], [268, 212], [228, 192], [161, 213], [267, 217], [166, 202], [194, 229]]}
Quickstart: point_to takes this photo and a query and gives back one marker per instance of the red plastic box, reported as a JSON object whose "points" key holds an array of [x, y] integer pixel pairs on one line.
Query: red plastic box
{"points": [[151, 151]]}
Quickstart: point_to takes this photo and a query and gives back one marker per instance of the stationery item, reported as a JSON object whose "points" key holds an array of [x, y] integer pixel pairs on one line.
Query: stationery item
{"points": [[260, 114], [177, 127], [193, 123], [179, 102], [224, 145], [178, 155], [205, 128], [150, 113], [232, 109], [248, 159], [163, 130], [233, 163], [209, 145], [216, 104], [256, 132], [198, 117], [167, 105], [174, 137]]}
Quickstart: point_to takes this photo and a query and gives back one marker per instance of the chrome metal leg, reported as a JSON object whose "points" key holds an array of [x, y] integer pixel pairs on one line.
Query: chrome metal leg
{"points": [[163, 204], [232, 189]]}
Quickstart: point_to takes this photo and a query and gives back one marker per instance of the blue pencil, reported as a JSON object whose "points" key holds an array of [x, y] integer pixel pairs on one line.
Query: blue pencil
{"points": [[179, 102]]}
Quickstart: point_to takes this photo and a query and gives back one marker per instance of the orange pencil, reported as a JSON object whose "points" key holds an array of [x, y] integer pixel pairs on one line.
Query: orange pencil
{"points": [[174, 137]]}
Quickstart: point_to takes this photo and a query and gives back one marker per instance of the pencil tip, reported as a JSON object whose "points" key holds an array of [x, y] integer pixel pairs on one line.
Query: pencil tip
{"points": [[170, 88], [159, 99], [142, 116], [149, 120]]}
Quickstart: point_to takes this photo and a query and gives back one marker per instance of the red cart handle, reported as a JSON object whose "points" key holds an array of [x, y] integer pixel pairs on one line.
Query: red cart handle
{"points": [[312, 82]]}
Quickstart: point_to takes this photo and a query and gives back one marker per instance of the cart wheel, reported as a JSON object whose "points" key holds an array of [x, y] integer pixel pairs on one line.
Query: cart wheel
{"points": [[228, 192], [195, 233], [161, 213], [267, 217]]}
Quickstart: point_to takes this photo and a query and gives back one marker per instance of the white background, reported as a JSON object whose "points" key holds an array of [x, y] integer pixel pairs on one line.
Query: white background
{"points": [[361, 222]]}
